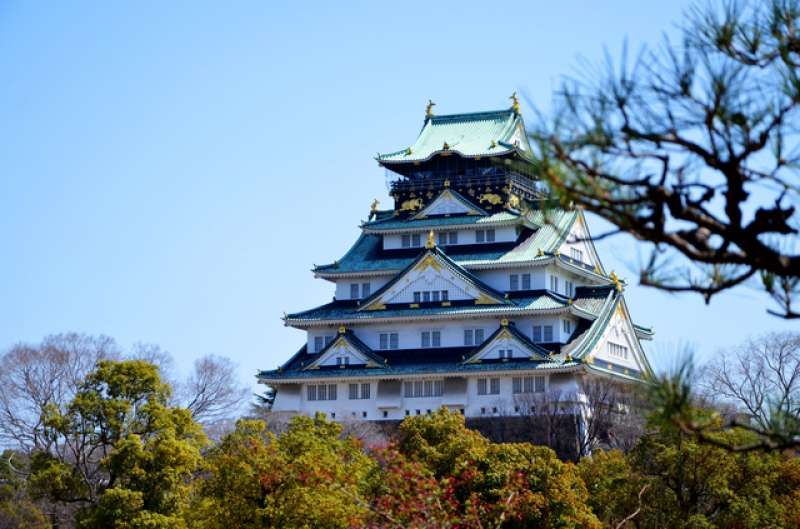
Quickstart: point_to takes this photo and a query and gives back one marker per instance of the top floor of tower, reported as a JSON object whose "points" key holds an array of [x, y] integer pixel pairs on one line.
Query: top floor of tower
{"points": [[485, 154]]}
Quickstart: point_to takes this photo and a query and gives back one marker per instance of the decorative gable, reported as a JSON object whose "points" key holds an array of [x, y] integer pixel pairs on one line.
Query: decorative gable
{"points": [[618, 348], [449, 202], [509, 344], [433, 277], [345, 350], [578, 246]]}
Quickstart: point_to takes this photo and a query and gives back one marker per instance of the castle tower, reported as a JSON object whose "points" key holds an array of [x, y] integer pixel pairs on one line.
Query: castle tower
{"points": [[470, 293]]}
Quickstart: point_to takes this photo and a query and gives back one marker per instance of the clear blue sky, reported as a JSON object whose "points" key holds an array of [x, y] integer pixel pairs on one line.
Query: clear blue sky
{"points": [[169, 173]]}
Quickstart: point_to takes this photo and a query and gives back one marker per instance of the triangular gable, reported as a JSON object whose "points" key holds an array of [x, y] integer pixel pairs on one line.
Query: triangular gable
{"points": [[449, 202], [580, 239], [506, 338], [433, 271], [346, 346]]}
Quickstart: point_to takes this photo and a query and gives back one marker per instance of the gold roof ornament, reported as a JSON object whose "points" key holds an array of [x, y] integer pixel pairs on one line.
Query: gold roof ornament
{"points": [[492, 144], [539, 253], [447, 182], [445, 146], [429, 109], [515, 103], [430, 243], [504, 322], [374, 206], [342, 329], [409, 152], [616, 280]]}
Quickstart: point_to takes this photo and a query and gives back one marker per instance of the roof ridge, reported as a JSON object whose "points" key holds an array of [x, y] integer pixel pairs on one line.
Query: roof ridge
{"points": [[471, 115]]}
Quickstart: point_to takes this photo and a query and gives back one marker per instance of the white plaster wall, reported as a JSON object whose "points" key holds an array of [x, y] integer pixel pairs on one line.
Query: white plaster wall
{"points": [[499, 279], [343, 285], [394, 241]]}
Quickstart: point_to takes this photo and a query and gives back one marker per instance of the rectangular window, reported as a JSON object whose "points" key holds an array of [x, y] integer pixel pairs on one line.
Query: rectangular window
{"points": [[620, 351], [428, 388], [311, 392], [342, 360], [365, 289], [442, 238], [328, 339], [526, 281], [453, 237], [435, 296], [527, 386], [436, 338], [387, 340], [423, 388], [516, 385], [438, 388], [480, 236], [408, 389], [548, 333], [478, 336], [554, 283], [365, 391], [490, 235], [566, 326], [506, 353], [576, 254], [318, 343], [322, 392], [569, 288], [405, 240], [494, 386], [426, 296], [417, 388], [394, 340], [468, 337], [481, 386], [415, 240], [537, 333], [417, 297], [353, 290], [445, 295], [331, 391], [352, 391], [425, 339], [538, 386], [513, 282]]}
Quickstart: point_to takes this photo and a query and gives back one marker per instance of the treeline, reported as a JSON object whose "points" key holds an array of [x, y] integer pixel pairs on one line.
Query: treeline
{"points": [[114, 447]]}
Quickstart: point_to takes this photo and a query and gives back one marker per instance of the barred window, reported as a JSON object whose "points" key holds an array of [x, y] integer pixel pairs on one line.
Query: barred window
{"points": [[353, 391], [526, 281], [365, 390], [494, 386], [481, 386], [513, 282], [548, 333]]}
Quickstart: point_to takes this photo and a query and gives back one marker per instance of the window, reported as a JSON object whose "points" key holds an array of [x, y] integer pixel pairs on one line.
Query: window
{"points": [[431, 339], [505, 353], [484, 235], [526, 281], [533, 384], [321, 392], [513, 282], [342, 360], [385, 414], [365, 390], [554, 283], [488, 386], [576, 254], [365, 290], [364, 414], [569, 288], [615, 349], [453, 237], [442, 238], [548, 333], [435, 296], [473, 336], [537, 333], [388, 340], [542, 333], [423, 388], [445, 295], [417, 297], [415, 240], [353, 290], [318, 343], [428, 296], [566, 326], [353, 391], [405, 240]]}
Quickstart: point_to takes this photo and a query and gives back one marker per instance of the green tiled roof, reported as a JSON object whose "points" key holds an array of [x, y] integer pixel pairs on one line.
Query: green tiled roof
{"points": [[366, 255], [392, 224], [338, 311], [470, 135]]}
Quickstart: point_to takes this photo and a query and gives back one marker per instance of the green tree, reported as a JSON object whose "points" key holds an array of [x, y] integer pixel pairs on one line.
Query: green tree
{"points": [[511, 485], [17, 511], [120, 451], [310, 476]]}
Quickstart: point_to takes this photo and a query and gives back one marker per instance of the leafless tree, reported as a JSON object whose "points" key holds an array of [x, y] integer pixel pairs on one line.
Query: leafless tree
{"points": [[213, 391], [694, 148], [760, 378], [33, 377], [610, 414]]}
